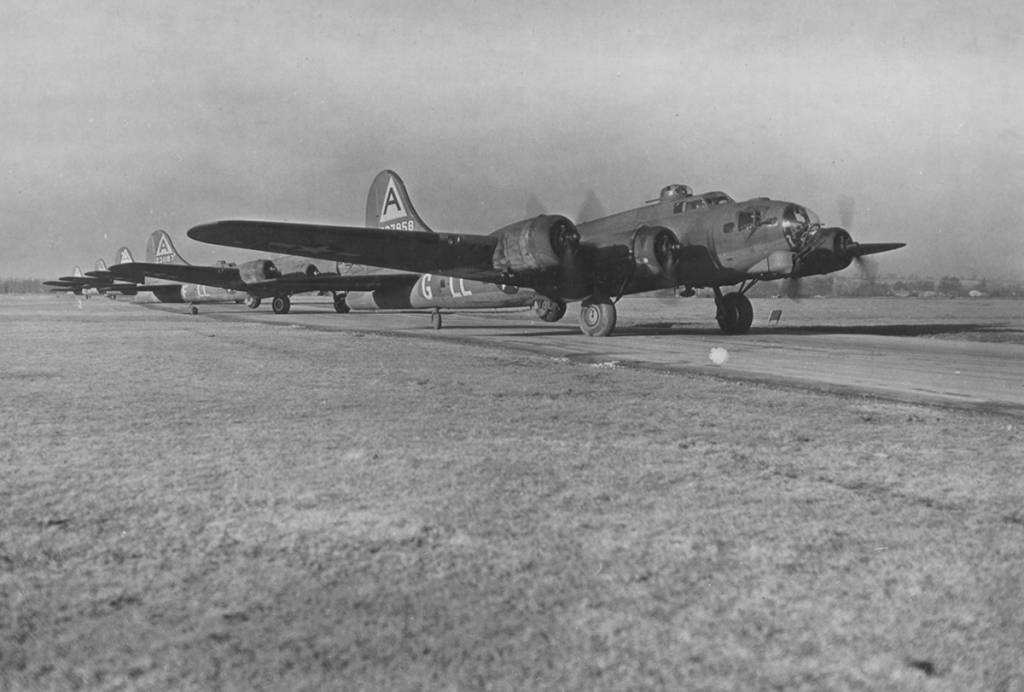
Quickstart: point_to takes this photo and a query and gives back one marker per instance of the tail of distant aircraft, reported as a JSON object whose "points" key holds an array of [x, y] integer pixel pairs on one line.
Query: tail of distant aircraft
{"points": [[101, 266], [77, 271], [388, 205], [160, 250], [123, 256]]}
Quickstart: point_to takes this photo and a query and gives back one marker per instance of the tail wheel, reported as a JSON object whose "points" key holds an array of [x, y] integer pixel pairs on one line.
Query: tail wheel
{"points": [[597, 317], [193, 309], [281, 305], [735, 314], [252, 302]]}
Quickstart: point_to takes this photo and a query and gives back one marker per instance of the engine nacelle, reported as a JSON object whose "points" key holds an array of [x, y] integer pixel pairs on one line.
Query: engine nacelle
{"points": [[644, 254], [655, 252], [258, 271], [536, 244], [296, 266], [830, 254]]}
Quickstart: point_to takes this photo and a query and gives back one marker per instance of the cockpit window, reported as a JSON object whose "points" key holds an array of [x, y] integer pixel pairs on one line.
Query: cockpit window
{"points": [[695, 204], [716, 198]]}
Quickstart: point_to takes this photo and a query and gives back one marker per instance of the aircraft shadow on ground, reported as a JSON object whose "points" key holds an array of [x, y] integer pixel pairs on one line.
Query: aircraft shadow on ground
{"points": [[931, 329]]}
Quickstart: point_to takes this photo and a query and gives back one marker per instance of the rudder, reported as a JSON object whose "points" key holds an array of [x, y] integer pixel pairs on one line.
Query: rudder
{"points": [[160, 249], [123, 256], [388, 205]]}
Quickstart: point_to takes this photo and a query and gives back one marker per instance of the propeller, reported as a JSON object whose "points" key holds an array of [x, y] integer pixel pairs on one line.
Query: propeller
{"points": [[534, 207], [868, 268], [591, 209], [792, 287]]}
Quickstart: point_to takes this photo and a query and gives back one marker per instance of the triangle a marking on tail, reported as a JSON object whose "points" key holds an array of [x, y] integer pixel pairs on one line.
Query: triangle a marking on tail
{"points": [[163, 248], [393, 207]]}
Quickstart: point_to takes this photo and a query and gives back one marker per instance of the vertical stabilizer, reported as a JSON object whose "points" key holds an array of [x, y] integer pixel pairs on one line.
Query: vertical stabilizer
{"points": [[77, 271], [101, 266], [160, 250], [123, 256], [388, 205]]}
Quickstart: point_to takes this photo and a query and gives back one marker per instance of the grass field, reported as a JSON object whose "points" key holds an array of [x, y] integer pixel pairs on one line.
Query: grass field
{"points": [[193, 504]]}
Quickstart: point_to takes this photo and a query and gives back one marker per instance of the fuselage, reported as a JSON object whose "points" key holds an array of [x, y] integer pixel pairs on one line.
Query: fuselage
{"points": [[723, 242], [437, 291]]}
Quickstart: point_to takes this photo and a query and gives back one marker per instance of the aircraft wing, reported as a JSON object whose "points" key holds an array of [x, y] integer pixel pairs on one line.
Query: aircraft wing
{"points": [[332, 282], [468, 256], [229, 277], [221, 277], [64, 285]]}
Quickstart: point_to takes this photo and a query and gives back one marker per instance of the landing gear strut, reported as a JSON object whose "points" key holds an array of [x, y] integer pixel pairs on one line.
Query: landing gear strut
{"points": [[597, 316], [435, 318], [281, 305], [340, 306], [735, 313], [548, 309]]}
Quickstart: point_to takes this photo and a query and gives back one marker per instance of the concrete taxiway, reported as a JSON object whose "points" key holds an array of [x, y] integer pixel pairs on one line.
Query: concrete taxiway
{"points": [[875, 354]]}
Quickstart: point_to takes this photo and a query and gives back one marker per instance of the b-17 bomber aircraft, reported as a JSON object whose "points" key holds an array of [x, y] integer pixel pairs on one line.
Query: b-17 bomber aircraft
{"points": [[228, 282], [705, 240], [354, 287], [76, 282], [161, 253], [389, 208], [99, 281]]}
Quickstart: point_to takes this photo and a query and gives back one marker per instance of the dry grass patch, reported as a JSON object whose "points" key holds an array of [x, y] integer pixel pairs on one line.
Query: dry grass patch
{"points": [[194, 504]]}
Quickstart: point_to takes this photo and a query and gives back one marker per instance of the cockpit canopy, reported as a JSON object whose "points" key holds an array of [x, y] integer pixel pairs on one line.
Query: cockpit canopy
{"points": [[683, 198]]}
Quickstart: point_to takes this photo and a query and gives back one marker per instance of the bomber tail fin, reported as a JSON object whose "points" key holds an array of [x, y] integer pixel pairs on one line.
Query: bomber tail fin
{"points": [[160, 250], [101, 266], [388, 205], [123, 256]]}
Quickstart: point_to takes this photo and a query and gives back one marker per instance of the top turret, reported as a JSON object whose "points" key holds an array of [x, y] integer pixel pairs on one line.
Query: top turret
{"points": [[670, 193]]}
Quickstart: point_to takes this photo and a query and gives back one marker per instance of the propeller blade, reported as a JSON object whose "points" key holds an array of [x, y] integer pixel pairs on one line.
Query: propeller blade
{"points": [[534, 207], [591, 209], [792, 288], [845, 204], [861, 249]]}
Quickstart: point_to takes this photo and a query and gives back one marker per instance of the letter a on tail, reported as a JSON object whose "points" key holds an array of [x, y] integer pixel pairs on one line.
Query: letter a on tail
{"points": [[160, 250], [388, 205]]}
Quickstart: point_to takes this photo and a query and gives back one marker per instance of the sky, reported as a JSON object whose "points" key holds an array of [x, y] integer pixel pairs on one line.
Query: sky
{"points": [[118, 118]]}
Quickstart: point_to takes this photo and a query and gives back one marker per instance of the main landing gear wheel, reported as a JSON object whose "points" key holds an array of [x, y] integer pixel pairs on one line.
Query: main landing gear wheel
{"points": [[281, 305], [252, 302], [597, 317], [340, 306], [735, 313], [549, 310], [435, 319]]}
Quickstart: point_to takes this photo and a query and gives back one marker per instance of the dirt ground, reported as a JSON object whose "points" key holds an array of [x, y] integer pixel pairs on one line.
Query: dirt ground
{"points": [[193, 504]]}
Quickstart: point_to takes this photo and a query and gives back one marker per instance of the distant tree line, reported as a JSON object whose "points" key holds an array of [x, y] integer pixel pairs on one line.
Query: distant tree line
{"points": [[21, 286], [859, 287]]}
